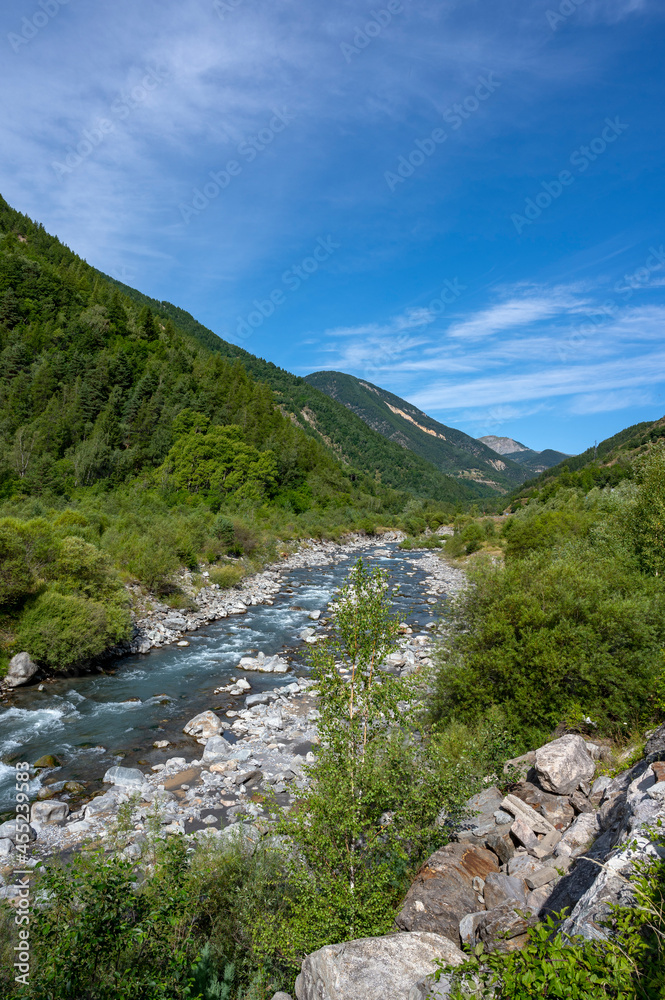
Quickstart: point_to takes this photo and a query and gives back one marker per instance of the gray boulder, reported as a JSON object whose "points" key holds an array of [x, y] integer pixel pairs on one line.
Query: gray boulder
{"points": [[125, 777], [502, 888], [580, 836], [382, 968], [21, 670], [443, 890], [655, 748], [105, 803], [216, 750], [6, 847], [49, 811], [504, 928], [8, 831], [557, 810], [282, 996], [564, 764]]}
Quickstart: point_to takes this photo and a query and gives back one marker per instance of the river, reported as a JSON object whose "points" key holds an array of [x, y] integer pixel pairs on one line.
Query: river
{"points": [[95, 721]]}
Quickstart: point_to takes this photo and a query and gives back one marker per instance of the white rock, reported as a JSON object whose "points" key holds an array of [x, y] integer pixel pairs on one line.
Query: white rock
{"points": [[381, 968], [203, 726], [125, 777], [49, 811], [564, 764], [21, 670], [6, 847]]}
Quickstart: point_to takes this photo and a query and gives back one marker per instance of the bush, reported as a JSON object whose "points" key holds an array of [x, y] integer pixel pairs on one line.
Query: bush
{"points": [[60, 630], [226, 576], [568, 621]]}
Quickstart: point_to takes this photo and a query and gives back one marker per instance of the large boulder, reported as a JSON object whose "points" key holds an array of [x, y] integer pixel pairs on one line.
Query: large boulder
{"points": [[580, 836], [50, 811], [504, 928], [21, 670], [125, 777], [204, 726], [556, 809], [216, 750], [8, 831], [564, 764], [443, 890], [383, 968]]}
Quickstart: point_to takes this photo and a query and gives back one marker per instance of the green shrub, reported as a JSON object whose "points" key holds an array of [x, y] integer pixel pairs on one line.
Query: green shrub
{"points": [[569, 620], [59, 630], [226, 576]]}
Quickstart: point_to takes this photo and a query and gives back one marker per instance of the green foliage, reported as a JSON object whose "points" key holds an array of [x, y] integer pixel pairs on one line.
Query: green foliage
{"points": [[226, 576], [569, 620], [59, 630], [646, 517], [219, 462]]}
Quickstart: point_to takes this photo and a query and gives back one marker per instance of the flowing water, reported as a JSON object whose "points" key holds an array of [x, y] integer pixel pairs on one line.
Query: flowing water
{"points": [[93, 722]]}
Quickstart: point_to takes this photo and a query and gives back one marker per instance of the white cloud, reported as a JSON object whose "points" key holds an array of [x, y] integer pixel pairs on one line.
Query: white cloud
{"points": [[562, 381], [517, 312]]}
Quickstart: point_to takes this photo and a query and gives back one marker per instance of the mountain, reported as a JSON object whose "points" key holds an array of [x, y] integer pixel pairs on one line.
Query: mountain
{"points": [[533, 461], [330, 422], [604, 464], [451, 451], [94, 375]]}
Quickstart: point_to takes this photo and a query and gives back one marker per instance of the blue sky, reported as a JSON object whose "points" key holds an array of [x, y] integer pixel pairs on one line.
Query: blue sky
{"points": [[459, 201]]}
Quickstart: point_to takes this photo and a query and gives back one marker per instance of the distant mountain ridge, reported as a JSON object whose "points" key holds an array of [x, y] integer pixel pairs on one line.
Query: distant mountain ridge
{"points": [[451, 451], [533, 461]]}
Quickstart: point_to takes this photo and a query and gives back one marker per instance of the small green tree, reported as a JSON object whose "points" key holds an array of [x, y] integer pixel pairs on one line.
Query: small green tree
{"points": [[368, 818]]}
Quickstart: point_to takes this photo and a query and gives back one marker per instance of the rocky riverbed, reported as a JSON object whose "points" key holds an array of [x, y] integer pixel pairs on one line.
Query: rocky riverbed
{"points": [[270, 732]]}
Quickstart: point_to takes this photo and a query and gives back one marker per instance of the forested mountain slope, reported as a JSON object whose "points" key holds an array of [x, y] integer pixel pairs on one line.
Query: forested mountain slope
{"points": [[93, 376], [450, 450], [330, 422], [605, 464]]}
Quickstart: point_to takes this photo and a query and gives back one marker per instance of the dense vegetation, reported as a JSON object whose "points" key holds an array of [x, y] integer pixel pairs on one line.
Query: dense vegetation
{"points": [[232, 921], [572, 623], [121, 428]]}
